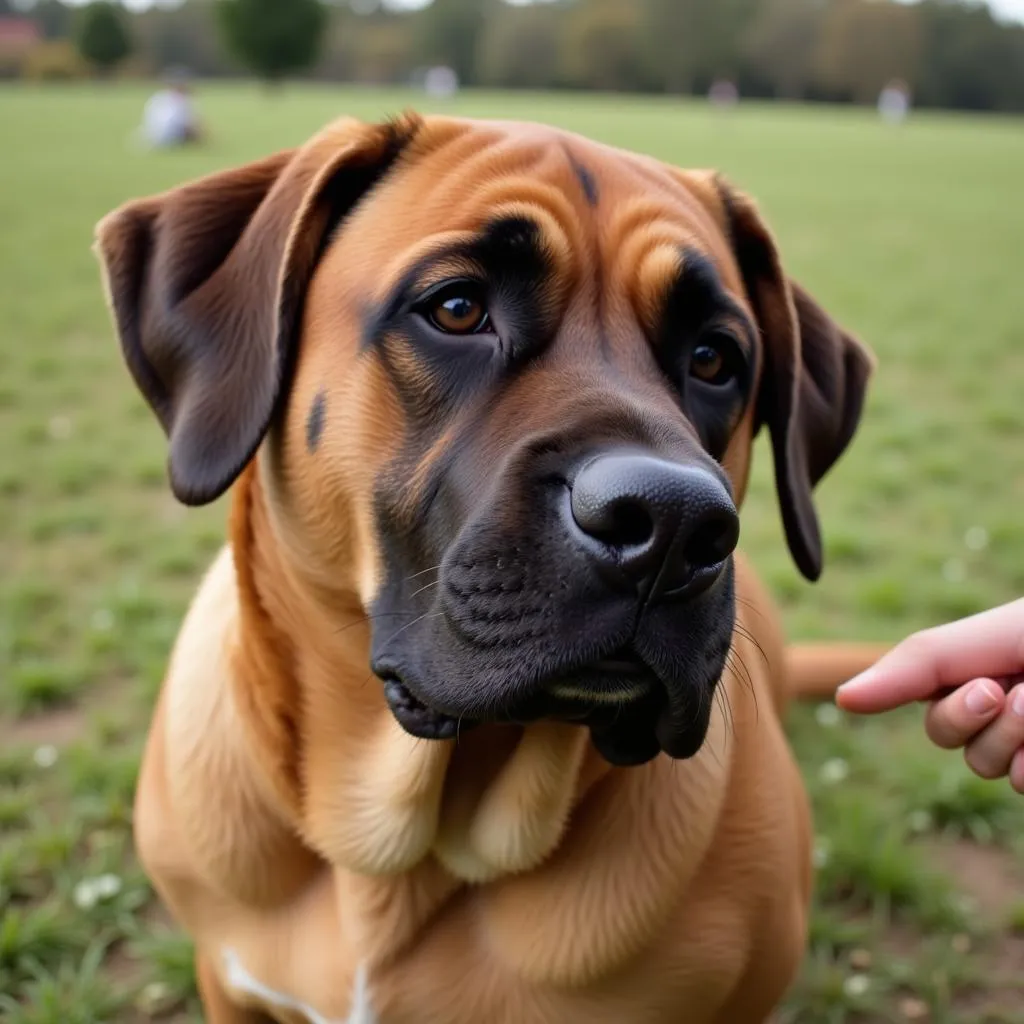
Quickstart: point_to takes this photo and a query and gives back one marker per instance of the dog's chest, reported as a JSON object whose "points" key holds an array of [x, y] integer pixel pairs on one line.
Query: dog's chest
{"points": [[290, 1009]]}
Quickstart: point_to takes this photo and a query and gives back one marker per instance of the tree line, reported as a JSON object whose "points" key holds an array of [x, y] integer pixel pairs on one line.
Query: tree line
{"points": [[951, 53]]}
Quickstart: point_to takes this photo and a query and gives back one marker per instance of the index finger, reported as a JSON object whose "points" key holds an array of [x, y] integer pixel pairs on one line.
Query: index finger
{"points": [[990, 644]]}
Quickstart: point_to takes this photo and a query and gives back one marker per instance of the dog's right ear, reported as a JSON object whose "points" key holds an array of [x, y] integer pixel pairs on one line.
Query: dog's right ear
{"points": [[207, 283], [815, 375]]}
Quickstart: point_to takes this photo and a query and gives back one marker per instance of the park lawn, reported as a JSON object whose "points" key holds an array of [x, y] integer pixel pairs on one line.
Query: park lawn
{"points": [[911, 237]]}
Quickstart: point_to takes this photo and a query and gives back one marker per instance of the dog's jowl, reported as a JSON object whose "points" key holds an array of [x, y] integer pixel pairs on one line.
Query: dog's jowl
{"points": [[475, 717]]}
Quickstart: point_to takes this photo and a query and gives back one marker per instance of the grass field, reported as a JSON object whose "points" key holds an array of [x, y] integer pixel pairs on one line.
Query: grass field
{"points": [[911, 237]]}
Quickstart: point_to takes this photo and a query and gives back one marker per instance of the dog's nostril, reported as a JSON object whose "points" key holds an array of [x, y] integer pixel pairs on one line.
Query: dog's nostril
{"points": [[628, 524], [712, 542], [617, 522]]}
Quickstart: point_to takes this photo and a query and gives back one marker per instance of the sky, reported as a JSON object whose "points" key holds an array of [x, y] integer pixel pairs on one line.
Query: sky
{"points": [[1009, 9]]}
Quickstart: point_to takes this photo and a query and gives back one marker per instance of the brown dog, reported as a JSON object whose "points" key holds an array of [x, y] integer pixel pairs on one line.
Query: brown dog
{"points": [[488, 392]]}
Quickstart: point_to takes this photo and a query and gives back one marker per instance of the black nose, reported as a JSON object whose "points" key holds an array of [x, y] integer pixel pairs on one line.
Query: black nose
{"points": [[662, 524]]}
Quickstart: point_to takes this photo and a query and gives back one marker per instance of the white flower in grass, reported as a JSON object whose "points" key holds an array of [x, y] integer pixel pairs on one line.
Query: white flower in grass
{"points": [[954, 571], [108, 886], [856, 985], [91, 891], [60, 428], [920, 821], [822, 852], [157, 997], [834, 770], [45, 756], [965, 904], [85, 895], [828, 715], [976, 538], [102, 620]]}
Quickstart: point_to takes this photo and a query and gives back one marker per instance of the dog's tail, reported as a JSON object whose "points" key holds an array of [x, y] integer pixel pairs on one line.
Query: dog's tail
{"points": [[816, 671]]}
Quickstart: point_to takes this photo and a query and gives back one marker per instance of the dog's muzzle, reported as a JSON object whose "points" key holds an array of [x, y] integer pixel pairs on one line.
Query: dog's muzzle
{"points": [[619, 618]]}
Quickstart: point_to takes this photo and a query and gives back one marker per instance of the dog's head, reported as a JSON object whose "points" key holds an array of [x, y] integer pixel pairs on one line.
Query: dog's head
{"points": [[505, 382]]}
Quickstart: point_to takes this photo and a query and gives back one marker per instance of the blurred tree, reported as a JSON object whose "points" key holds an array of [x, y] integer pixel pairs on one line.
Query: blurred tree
{"points": [[603, 46], [865, 43], [449, 31], [383, 51], [54, 18], [779, 45], [521, 46], [688, 43], [273, 37], [181, 36], [103, 37], [339, 49], [972, 62]]}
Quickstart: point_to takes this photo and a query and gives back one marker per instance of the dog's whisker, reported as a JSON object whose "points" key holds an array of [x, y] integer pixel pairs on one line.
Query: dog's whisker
{"points": [[750, 638], [747, 681], [409, 625], [722, 696], [752, 605], [369, 618], [426, 586], [422, 572]]}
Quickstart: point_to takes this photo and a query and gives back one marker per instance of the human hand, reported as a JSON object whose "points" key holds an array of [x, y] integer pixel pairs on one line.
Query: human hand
{"points": [[972, 672]]}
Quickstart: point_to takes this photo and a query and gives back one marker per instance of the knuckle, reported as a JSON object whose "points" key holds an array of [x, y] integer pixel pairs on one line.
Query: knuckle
{"points": [[982, 763], [943, 726]]}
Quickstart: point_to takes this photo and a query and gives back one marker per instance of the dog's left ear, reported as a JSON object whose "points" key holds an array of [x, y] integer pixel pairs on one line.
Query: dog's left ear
{"points": [[207, 284], [814, 380]]}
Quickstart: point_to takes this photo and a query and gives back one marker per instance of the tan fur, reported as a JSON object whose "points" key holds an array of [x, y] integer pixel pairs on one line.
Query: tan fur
{"points": [[818, 670], [333, 868]]}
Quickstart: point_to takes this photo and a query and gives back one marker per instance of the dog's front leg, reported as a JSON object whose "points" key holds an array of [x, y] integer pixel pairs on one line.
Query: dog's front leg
{"points": [[217, 1008]]}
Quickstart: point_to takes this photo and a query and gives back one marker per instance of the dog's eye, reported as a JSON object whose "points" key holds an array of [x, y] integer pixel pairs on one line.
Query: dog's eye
{"points": [[459, 311], [713, 361]]}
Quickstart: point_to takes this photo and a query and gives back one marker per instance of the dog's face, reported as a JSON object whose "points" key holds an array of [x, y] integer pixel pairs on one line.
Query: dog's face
{"points": [[511, 380]]}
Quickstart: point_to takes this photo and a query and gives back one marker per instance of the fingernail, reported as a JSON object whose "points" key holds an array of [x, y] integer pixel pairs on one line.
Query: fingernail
{"points": [[1018, 702], [981, 699], [855, 681]]}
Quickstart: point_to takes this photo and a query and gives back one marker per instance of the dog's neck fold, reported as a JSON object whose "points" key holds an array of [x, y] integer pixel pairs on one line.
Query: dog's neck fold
{"points": [[404, 823]]}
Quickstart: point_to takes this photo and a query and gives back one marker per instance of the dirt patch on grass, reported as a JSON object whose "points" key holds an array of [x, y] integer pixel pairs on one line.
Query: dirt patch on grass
{"points": [[990, 876], [67, 723], [58, 727]]}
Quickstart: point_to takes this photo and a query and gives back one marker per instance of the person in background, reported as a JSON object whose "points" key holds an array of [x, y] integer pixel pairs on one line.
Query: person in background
{"points": [[169, 118], [723, 94], [972, 673], [894, 101]]}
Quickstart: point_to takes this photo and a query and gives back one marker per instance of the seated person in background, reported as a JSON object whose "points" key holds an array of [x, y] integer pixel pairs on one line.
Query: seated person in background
{"points": [[169, 118]]}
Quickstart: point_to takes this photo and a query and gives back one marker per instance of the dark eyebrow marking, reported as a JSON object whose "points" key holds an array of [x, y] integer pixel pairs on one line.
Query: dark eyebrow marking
{"points": [[698, 295], [315, 422], [507, 248], [584, 176]]}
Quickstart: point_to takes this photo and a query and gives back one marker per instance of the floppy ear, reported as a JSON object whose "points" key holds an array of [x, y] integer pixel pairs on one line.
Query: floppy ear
{"points": [[207, 282], [813, 384]]}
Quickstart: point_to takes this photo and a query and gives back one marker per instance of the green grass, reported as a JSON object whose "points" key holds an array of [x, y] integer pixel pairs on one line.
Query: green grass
{"points": [[910, 237]]}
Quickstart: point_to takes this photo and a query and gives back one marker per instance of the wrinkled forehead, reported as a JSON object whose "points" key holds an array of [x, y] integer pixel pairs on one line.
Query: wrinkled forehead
{"points": [[588, 202]]}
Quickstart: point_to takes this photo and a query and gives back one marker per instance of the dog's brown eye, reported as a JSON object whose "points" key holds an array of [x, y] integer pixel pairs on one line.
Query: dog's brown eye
{"points": [[460, 313], [711, 364]]}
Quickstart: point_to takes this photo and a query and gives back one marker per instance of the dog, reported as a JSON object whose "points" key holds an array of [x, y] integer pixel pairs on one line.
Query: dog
{"points": [[476, 718]]}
